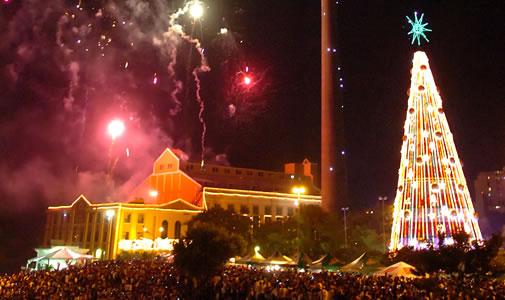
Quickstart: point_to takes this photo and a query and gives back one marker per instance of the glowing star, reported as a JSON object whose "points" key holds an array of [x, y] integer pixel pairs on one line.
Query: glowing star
{"points": [[115, 128], [418, 29]]}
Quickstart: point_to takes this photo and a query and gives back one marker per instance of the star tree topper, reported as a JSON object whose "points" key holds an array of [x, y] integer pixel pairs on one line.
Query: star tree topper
{"points": [[418, 29]]}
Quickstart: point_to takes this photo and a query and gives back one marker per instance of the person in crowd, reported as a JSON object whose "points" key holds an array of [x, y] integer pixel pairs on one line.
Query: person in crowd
{"points": [[158, 279]]}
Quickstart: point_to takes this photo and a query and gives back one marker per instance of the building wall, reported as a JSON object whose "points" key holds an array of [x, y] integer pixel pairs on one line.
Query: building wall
{"points": [[173, 178], [167, 183], [305, 168], [247, 179], [490, 200], [176, 191], [263, 206], [95, 227]]}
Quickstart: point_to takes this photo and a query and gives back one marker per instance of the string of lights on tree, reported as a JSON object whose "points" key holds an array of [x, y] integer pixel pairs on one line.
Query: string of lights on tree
{"points": [[432, 199]]}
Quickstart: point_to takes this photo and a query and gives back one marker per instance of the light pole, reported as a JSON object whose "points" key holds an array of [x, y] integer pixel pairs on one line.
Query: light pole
{"points": [[298, 190], [383, 199], [345, 209], [109, 214]]}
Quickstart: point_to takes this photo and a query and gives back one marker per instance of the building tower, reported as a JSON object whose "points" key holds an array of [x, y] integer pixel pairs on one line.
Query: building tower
{"points": [[333, 171], [432, 198]]}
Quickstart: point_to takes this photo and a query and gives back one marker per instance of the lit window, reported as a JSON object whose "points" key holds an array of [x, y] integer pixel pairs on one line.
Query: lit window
{"points": [[268, 210], [164, 229], [256, 210], [177, 230], [290, 211], [278, 210], [140, 219]]}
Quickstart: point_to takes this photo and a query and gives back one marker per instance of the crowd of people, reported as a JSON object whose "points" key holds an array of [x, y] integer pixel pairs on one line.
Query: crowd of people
{"points": [[158, 279]]}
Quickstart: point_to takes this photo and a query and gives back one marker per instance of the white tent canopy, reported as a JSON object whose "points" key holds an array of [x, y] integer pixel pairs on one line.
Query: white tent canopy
{"points": [[398, 269], [354, 266], [279, 259], [57, 258], [66, 254]]}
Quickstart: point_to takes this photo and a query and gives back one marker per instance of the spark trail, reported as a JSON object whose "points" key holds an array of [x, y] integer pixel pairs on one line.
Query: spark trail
{"points": [[201, 68]]}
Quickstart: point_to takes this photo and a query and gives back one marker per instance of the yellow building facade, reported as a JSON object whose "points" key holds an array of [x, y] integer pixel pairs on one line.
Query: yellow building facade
{"points": [[157, 211]]}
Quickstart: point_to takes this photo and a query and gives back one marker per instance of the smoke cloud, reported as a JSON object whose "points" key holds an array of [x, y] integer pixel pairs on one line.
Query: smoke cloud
{"points": [[67, 70]]}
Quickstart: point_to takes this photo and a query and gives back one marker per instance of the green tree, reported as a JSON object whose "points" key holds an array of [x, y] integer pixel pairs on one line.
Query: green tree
{"points": [[460, 257], [226, 219], [366, 230], [204, 251], [367, 239], [318, 231], [482, 257], [312, 231], [277, 236]]}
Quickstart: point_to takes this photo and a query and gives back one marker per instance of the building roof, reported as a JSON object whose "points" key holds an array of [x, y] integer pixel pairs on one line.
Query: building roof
{"points": [[176, 183], [178, 204]]}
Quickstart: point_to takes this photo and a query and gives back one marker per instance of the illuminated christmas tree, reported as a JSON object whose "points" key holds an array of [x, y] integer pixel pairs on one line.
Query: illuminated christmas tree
{"points": [[432, 198]]}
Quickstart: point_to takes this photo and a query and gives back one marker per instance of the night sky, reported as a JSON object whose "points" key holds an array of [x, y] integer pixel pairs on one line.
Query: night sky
{"points": [[59, 88]]}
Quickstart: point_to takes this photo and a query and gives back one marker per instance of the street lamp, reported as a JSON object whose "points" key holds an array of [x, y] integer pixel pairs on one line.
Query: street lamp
{"points": [[345, 210], [383, 199], [110, 214], [298, 190]]}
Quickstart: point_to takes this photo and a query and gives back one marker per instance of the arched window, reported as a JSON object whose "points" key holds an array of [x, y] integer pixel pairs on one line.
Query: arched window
{"points": [[164, 229], [177, 230]]}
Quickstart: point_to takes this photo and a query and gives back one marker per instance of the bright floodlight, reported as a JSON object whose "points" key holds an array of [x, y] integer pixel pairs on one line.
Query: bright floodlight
{"points": [[153, 193], [110, 213], [196, 10], [299, 190], [116, 128]]}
